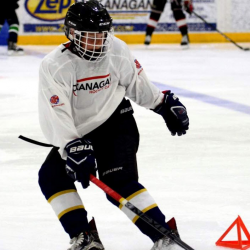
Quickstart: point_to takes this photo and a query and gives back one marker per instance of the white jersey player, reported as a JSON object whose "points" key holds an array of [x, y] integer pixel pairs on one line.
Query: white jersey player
{"points": [[84, 114]]}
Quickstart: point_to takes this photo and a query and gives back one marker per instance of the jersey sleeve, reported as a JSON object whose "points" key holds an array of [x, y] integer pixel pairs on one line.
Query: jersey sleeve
{"points": [[138, 87], [55, 113]]}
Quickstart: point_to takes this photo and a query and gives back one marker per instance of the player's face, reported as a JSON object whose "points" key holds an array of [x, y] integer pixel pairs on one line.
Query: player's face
{"points": [[92, 41]]}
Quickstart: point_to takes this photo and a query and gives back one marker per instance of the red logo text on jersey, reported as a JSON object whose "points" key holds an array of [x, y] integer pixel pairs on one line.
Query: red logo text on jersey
{"points": [[138, 66], [54, 99], [92, 84]]}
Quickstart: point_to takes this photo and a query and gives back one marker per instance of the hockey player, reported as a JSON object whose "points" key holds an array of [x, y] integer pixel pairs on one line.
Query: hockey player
{"points": [[8, 12], [179, 16], [84, 114]]}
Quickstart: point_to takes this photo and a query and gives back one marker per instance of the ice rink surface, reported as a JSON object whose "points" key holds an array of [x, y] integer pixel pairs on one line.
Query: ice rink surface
{"points": [[202, 178]]}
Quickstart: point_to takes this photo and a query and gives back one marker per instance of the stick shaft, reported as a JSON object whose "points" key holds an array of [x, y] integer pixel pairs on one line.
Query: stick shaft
{"points": [[35, 142], [106, 188]]}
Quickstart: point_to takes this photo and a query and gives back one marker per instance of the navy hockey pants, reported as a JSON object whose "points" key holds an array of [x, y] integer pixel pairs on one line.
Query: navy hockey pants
{"points": [[115, 144]]}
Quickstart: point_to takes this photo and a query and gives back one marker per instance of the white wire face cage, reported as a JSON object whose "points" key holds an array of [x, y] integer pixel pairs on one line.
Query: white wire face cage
{"points": [[92, 46]]}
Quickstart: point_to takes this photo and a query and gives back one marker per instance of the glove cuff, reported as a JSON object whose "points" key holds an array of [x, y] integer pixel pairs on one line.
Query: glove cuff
{"points": [[70, 144], [159, 108]]}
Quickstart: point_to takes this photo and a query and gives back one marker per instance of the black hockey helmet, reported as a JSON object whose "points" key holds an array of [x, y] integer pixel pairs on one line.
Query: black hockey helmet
{"points": [[87, 25], [88, 16]]}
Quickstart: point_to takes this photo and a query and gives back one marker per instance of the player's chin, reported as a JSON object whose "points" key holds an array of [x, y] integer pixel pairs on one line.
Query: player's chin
{"points": [[95, 49]]}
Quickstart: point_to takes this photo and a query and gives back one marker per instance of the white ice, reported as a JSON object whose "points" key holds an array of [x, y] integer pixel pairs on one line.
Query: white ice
{"points": [[202, 178]]}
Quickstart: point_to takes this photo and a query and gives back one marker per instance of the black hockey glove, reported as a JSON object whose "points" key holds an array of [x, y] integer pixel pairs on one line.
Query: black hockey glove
{"points": [[174, 113], [188, 6], [80, 161]]}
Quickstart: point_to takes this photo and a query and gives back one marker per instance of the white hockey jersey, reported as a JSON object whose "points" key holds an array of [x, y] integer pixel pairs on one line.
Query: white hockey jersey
{"points": [[76, 96]]}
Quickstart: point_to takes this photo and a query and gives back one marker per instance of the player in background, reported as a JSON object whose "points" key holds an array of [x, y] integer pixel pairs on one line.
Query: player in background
{"points": [[84, 114], [179, 16], [8, 13]]}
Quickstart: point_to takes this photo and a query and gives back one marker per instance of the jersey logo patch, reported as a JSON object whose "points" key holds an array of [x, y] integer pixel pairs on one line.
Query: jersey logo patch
{"points": [[54, 99]]}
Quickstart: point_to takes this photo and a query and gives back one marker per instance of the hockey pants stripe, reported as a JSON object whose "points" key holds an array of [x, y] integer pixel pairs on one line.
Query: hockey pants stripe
{"points": [[65, 201]]}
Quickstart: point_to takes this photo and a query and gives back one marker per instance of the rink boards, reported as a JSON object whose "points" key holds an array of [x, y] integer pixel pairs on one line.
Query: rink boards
{"points": [[42, 21]]}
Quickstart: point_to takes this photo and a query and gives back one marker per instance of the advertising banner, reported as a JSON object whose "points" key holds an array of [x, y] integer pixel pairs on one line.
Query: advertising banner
{"points": [[129, 16], [132, 15], [44, 16]]}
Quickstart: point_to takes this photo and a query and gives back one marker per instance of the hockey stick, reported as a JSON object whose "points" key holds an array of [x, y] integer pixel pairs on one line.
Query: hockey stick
{"points": [[146, 218], [229, 39], [164, 231]]}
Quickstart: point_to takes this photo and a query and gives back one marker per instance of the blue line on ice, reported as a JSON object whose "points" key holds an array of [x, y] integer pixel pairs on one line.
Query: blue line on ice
{"points": [[206, 98]]}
